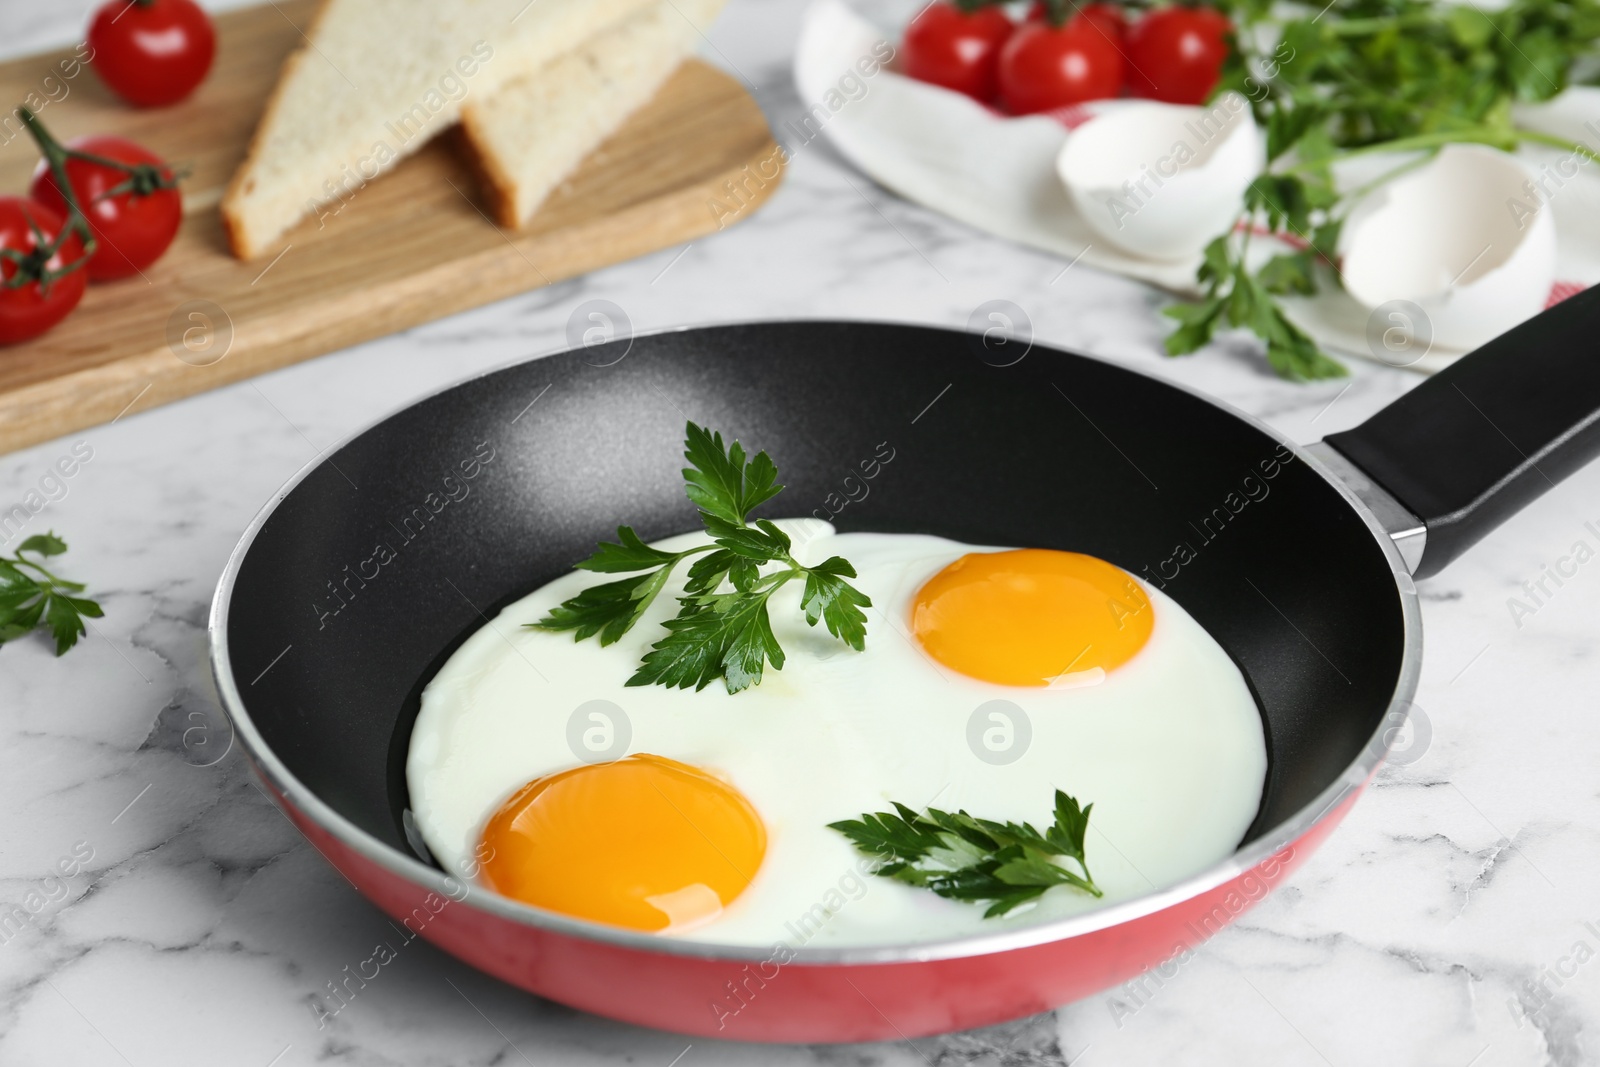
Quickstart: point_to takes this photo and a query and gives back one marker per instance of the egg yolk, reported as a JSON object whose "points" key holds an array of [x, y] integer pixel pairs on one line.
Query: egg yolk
{"points": [[1031, 616], [645, 842]]}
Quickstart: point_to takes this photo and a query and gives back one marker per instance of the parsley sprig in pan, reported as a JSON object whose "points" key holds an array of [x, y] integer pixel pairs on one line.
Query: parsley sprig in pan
{"points": [[965, 858], [722, 629], [31, 597], [1359, 77]]}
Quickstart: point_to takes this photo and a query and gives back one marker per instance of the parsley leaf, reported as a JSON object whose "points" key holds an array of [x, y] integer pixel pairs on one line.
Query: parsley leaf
{"points": [[727, 636], [31, 597], [609, 610], [836, 602], [720, 482], [964, 858], [1197, 322], [629, 554], [717, 633], [45, 544], [1289, 274]]}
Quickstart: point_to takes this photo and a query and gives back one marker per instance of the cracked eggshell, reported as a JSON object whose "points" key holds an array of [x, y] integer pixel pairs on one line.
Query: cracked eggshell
{"points": [[1161, 180], [1460, 237]]}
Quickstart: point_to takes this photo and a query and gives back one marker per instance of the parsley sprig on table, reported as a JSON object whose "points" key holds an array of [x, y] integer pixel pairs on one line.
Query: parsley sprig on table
{"points": [[965, 858], [1358, 77], [31, 597], [722, 629], [1237, 296]]}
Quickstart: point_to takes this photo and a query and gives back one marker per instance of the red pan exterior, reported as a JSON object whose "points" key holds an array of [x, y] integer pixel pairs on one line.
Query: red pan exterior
{"points": [[778, 1001]]}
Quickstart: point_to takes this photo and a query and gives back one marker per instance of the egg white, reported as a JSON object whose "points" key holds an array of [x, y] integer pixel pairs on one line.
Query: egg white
{"points": [[1169, 747]]}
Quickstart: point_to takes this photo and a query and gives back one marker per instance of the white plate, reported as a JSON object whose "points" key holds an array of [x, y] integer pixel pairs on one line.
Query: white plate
{"points": [[997, 173]]}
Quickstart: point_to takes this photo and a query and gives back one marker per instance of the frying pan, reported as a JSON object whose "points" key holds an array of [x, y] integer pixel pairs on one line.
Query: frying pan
{"points": [[1298, 561]]}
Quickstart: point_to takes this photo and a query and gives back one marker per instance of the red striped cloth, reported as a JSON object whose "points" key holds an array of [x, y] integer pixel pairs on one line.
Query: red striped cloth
{"points": [[1561, 290]]}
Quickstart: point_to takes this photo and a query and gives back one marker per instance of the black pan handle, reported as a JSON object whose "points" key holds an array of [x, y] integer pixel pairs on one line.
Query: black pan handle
{"points": [[1474, 444]]}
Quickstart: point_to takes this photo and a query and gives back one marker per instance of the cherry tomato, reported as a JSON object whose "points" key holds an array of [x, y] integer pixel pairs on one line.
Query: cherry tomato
{"points": [[1176, 54], [1042, 68], [132, 228], [1108, 17], [959, 51], [152, 52], [31, 308]]}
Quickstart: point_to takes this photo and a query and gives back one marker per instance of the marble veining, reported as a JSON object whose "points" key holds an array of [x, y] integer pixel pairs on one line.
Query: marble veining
{"points": [[171, 916]]}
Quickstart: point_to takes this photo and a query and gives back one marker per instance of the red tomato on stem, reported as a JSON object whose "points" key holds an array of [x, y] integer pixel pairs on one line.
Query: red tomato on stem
{"points": [[152, 52], [1043, 68], [40, 284], [134, 213], [1176, 54], [960, 51]]}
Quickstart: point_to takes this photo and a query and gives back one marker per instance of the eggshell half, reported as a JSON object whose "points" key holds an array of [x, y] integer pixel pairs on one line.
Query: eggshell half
{"points": [[1462, 239], [1161, 180]]}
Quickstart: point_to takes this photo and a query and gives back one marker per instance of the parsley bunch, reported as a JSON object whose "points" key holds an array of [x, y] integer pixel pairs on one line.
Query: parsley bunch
{"points": [[32, 598], [722, 629], [1355, 78], [965, 858]]}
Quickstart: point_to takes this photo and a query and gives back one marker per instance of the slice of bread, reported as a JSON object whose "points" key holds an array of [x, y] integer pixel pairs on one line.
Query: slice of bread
{"points": [[374, 82], [527, 137]]}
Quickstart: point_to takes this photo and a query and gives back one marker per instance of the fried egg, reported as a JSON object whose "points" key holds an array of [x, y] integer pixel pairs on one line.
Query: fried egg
{"points": [[991, 678]]}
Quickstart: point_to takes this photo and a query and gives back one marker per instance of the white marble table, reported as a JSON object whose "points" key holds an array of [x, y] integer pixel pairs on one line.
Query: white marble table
{"points": [[202, 925]]}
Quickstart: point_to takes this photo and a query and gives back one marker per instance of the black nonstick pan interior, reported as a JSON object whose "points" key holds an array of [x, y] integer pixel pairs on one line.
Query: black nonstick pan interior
{"points": [[394, 548]]}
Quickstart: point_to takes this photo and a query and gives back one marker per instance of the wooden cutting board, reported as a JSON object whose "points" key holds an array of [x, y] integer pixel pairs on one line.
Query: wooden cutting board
{"points": [[411, 246]]}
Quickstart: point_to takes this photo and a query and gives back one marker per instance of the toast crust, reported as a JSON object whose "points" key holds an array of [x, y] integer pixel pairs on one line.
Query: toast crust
{"points": [[498, 187]]}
